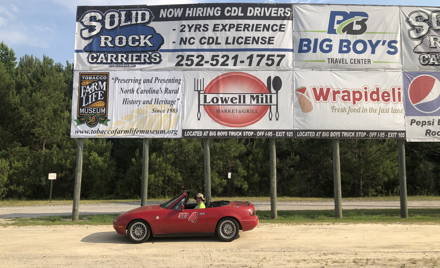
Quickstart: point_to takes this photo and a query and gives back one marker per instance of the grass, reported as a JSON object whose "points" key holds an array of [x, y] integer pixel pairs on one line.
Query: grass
{"points": [[423, 216], [417, 216], [10, 203]]}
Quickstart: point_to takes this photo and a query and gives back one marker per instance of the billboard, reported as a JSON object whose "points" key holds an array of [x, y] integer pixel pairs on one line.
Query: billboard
{"points": [[346, 37], [343, 104], [182, 37], [238, 104], [422, 106], [421, 38], [122, 104]]}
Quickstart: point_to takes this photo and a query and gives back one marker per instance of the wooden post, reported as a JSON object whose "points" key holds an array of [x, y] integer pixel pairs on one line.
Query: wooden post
{"points": [[207, 170], [78, 176], [273, 179], [337, 179], [402, 179], [50, 190], [145, 167]]}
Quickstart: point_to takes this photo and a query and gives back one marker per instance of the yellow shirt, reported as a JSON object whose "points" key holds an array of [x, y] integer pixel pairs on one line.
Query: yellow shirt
{"points": [[200, 205]]}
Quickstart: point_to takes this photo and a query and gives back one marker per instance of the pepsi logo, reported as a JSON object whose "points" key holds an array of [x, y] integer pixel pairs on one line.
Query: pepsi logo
{"points": [[424, 94], [303, 99]]}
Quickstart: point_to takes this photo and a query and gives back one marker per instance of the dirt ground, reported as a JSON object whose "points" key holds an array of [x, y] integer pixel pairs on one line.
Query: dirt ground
{"points": [[269, 245]]}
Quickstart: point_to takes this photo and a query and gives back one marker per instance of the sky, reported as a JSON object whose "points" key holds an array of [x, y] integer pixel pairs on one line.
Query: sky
{"points": [[47, 27]]}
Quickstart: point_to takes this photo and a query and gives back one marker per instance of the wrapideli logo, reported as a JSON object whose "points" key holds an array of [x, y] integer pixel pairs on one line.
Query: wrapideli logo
{"points": [[308, 96], [425, 27], [238, 99], [121, 37], [352, 23], [93, 99]]}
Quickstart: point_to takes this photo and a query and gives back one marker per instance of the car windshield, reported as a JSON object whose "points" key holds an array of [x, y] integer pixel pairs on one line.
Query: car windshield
{"points": [[169, 202]]}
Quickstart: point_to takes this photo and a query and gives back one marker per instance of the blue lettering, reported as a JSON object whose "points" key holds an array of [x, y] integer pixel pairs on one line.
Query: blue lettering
{"points": [[363, 46], [304, 45], [393, 48], [326, 46], [373, 46], [344, 46]]}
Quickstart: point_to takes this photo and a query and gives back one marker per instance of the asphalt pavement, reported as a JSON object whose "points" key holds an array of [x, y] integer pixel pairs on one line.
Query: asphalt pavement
{"points": [[116, 208]]}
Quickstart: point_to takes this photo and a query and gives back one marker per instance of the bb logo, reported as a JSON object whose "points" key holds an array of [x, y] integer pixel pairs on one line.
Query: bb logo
{"points": [[352, 23], [93, 99], [424, 94], [238, 99], [304, 100]]}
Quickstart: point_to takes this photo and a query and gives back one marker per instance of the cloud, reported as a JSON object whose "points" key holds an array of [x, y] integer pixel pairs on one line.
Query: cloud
{"points": [[16, 31], [15, 37]]}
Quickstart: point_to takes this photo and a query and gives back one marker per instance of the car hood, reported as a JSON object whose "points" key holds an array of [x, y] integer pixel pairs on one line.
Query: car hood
{"points": [[144, 209]]}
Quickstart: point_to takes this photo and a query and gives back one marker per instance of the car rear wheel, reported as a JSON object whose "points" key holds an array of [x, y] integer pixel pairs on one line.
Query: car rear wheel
{"points": [[138, 231], [227, 229]]}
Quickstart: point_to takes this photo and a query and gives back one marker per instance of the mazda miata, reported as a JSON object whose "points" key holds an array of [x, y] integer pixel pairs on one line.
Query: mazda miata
{"points": [[179, 217]]}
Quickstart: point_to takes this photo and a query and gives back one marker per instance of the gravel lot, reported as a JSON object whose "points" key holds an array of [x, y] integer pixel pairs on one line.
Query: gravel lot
{"points": [[269, 245]]}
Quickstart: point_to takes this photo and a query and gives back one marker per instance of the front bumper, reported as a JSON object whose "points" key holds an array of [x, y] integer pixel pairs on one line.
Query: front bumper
{"points": [[119, 228]]}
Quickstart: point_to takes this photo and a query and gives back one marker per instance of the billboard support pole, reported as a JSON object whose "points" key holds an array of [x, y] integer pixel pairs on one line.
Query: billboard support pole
{"points": [[273, 179], [337, 179], [207, 170], [78, 176], [145, 168], [402, 179]]}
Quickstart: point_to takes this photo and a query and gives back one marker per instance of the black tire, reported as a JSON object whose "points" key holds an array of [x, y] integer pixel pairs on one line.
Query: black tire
{"points": [[227, 229], [138, 231]]}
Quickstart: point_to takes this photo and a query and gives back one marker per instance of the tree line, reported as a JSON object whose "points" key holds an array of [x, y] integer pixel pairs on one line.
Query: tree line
{"points": [[35, 117]]}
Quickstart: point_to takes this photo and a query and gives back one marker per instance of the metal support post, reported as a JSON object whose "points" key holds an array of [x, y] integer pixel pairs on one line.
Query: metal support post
{"points": [[273, 179], [337, 179], [402, 179], [78, 176], [145, 167], [207, 170]]}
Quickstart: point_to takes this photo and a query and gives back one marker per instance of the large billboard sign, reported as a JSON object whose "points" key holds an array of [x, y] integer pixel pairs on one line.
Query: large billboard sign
{"points": [[346, 37], [257, 70], [123, 104], [344, 104], [196, 36], [421, 38]]}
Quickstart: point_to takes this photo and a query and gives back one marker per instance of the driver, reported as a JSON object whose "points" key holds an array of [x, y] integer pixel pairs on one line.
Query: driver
{"points": [[200, 199]]}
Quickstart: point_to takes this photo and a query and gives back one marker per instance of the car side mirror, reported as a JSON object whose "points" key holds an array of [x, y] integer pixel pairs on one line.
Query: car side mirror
{"points": [[181, 207]]}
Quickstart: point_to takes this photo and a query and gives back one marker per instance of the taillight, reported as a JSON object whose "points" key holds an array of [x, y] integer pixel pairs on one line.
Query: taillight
{"points": [[252, 212]]}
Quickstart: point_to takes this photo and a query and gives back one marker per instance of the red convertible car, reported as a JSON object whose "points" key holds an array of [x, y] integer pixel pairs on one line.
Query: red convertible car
{"points": [[177, 217]]}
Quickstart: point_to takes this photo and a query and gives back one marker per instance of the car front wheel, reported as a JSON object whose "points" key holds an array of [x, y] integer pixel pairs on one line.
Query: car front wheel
{"points": [[227, 229], [138, 231]]}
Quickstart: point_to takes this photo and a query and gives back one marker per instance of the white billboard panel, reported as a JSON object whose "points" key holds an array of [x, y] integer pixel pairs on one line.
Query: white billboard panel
{"points": [[182, 37], [238, 104], [344, 104], [122, 104], [346, 37], [420, 38]]}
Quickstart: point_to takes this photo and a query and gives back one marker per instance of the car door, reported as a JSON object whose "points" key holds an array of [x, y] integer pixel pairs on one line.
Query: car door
{"points": [[197, 220], [174, 219]]}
